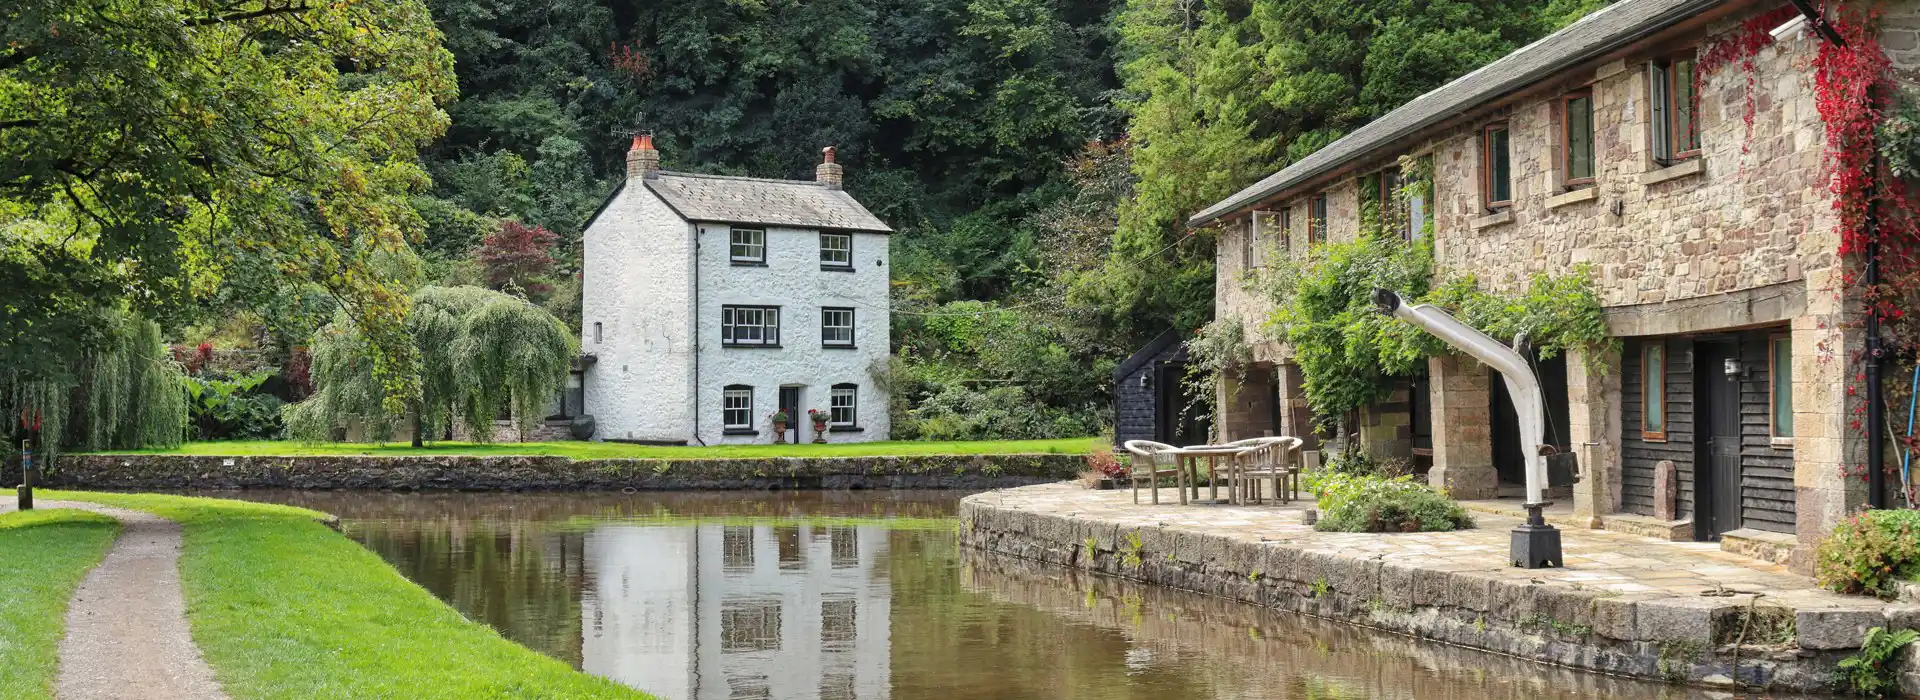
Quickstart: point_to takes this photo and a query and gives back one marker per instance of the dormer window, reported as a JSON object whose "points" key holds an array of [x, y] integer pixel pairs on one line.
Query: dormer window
{"points": [[836, 251], [747, 246]]}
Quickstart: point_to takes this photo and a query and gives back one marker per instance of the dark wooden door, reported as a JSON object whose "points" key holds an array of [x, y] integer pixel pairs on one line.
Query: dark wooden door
{"points": [[1717, 422], [790, 402]]}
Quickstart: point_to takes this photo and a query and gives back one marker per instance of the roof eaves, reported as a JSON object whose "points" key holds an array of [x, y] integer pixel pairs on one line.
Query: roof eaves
{"points": [[1363, 142]]}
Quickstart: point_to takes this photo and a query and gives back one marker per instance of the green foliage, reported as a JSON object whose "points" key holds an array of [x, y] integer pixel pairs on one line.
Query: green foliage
{"points": [[481, 353], [231, 409], [1875, 671], [123, 392], [49, 551], [1364, 503], [157, 149], [1218, 349], [1870, 552]]}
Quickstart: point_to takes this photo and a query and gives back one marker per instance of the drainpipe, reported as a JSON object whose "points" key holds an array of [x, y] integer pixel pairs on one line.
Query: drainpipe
{"points": [[1535, 544], [1876, 354], [695, 316]]}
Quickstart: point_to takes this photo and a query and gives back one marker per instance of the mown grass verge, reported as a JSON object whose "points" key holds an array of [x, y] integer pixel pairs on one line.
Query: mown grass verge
{"points": [[43, 556], [283, 607], [614, 450]]}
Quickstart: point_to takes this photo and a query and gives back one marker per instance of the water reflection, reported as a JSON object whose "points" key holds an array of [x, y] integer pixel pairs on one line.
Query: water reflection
{"points": [[739, 611], [837, 596]]}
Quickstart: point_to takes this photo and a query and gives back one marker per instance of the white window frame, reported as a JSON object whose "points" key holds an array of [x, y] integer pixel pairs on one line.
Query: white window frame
{"points": [[729, 409], [747, 245], [826, 325], [828, 257], [851, 395], [750, 326]]}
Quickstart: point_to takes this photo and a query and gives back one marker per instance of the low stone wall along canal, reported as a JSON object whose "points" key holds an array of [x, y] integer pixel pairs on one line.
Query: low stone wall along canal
{"points": [[534, 473], [1625, 605]]}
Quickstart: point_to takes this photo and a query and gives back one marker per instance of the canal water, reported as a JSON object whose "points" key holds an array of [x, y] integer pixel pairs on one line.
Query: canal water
{"points": [[864, 595]]}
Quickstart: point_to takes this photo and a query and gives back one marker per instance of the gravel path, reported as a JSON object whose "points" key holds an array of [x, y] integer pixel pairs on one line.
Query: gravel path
{"points": [[127, 625]]}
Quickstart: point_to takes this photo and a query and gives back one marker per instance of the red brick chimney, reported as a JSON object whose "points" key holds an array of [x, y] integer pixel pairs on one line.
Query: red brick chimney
{"points": [[828, 172], [642, 160]]}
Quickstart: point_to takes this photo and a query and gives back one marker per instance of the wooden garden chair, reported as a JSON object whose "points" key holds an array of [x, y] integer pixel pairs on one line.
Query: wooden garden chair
{"points": [[1271, 459], [1151, 461]]}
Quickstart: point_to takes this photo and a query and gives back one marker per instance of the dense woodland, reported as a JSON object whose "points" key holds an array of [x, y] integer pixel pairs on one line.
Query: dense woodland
{"points": [[1036, 157]]}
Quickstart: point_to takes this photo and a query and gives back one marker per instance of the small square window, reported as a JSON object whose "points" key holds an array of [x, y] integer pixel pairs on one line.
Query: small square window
{"points": [[836, 327], [836, 250], [747, 245], [843, 404]]}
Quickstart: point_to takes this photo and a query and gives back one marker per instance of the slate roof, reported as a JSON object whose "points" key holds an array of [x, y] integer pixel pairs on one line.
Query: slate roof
{"points": [[748, 200], [1604, 30]]}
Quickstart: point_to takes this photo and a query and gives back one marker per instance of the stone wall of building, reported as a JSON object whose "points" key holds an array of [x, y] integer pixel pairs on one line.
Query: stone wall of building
{"points": [[636, 307], [1750, 211], [541, 473]]}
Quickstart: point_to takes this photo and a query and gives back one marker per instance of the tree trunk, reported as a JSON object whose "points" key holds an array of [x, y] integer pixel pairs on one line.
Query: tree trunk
{"points": [[419, 431]]}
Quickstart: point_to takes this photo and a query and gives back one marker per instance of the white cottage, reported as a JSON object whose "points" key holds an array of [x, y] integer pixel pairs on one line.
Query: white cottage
{"points": [[711, 302]]}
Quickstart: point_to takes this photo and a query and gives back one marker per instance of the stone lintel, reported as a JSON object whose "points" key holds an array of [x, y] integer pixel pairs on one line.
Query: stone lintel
{"points": [[1757, 306]]}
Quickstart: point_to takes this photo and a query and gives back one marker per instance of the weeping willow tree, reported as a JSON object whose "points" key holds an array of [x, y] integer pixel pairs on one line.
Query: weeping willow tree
{"points": [[480, 353], [124, 392]]}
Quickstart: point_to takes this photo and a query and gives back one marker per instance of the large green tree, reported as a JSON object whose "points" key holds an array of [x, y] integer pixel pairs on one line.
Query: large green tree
{"points": [[158, 151]]}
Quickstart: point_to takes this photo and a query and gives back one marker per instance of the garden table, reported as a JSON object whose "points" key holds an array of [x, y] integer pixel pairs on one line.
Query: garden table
{"points": [[1190, 457]]}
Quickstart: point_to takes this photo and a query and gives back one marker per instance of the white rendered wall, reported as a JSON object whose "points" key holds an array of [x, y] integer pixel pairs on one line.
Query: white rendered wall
{"points": [[792, 280], [637, 285]]}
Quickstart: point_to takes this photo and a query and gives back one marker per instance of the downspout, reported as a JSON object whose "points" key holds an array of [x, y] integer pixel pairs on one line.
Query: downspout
{"points": [[1875, 354], [1535, 544], [694, 321]]}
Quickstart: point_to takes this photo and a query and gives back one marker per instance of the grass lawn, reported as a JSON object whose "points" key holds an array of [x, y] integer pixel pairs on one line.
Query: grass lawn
{"points": [[284, 607], [614, 450], [43, 556]]}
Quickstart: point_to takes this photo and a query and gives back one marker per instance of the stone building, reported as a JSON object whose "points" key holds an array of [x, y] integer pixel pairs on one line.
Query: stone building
{"points": [[1710, 238], [710, 302]]}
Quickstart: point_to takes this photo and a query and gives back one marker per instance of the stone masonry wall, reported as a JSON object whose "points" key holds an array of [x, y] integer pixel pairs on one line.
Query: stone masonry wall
{"points": [[1507, 611], [538, 473]]}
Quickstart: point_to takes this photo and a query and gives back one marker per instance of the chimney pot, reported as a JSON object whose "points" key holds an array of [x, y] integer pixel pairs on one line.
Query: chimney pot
{"points": [[829, 173], [642, 159]]}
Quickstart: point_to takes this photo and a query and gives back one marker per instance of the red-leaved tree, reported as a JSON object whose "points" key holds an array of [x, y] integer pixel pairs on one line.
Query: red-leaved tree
{"points": [[520, 255]]}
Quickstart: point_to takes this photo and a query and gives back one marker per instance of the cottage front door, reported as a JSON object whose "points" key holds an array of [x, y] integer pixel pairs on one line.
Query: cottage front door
{"points": [[1717, 501], [790, 403]]}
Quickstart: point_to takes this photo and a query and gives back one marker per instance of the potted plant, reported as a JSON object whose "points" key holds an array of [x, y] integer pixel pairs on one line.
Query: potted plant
{"points": [[819, 424], [779, 419]]}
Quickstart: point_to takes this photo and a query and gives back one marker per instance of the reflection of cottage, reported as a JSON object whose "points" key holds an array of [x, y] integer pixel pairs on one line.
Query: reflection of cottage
{"points": [[1711, 240], [710, 302], [1150, 396], [755, 611]]}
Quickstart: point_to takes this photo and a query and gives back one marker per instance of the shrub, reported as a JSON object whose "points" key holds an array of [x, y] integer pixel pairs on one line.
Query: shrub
{"points": [[1367, 503], [1870, 552], [1103, 461]]}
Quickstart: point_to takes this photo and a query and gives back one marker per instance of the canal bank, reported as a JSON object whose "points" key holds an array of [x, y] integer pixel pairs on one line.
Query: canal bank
{"points": [[1625, 605], [554, 473]]}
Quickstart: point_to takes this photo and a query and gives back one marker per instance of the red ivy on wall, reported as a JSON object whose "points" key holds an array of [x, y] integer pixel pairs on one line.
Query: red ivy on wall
{"points": [[1740, 46]]}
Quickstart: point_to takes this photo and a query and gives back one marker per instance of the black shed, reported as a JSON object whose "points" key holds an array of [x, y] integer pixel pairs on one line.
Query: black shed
{"points": [[1149, 400]]}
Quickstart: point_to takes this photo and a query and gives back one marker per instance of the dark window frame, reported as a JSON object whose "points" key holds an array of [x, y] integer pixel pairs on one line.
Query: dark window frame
{"points": [[1646, 393], [853, 410], [1566, 140], [853, 320], [729, 321], [1487, 176], [725, 394], [824, 263], [747, 259], [1317, 219]]}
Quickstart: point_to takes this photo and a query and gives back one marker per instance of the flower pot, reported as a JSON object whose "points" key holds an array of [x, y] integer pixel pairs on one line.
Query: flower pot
{"points": [[820, 432], [779, 433], [1107, 484]]}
